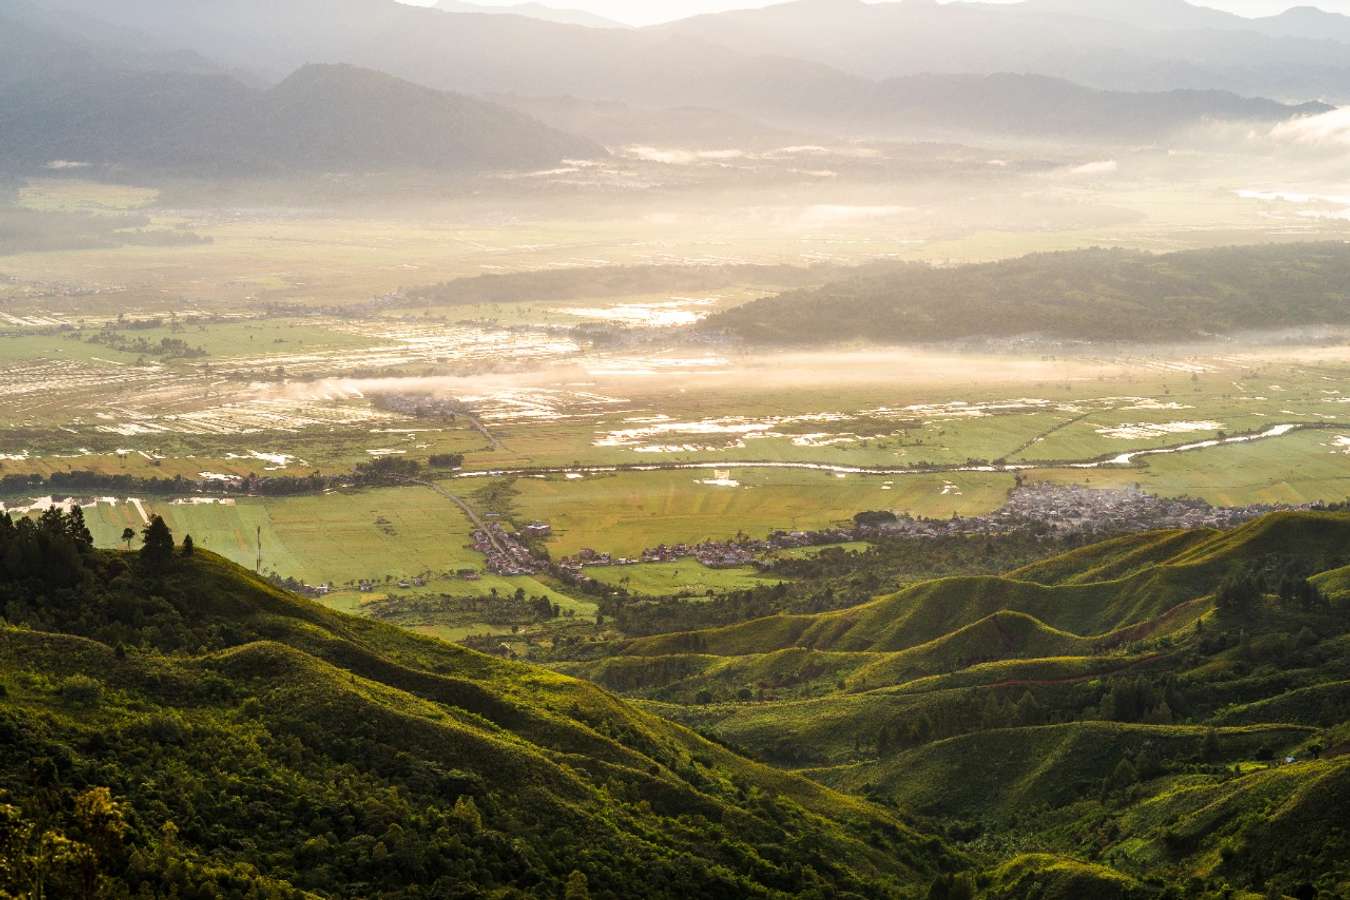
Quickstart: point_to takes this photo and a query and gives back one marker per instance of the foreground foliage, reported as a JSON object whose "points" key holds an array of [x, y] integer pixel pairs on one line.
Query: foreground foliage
{"points": [[172, 725]]}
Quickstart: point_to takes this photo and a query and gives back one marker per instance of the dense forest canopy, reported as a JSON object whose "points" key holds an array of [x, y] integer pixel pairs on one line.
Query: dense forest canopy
{"points": [[1095, 294]]}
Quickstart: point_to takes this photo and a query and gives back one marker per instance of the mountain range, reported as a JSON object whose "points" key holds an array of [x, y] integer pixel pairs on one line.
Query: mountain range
{"points": [[532, 11], [1150, 45], [834, 65], [321, 118]]}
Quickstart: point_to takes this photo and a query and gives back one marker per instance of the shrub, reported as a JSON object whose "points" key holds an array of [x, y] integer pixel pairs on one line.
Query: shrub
{"points": [[165, 728], [81, 690]]}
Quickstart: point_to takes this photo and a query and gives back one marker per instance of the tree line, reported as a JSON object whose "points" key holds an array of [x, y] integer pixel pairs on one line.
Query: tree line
{"points": [[1093, 294], [383, 471]]}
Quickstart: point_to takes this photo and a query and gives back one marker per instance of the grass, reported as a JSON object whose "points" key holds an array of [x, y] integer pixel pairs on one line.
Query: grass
{"points": [[257, 338], [962, 653], [1147, 601], [1004, 634], [931, 610], [681, 678], [812, 552], [627, 512], [1112, 559], [1002, 771], [382, 535], [684, 577], [337, 537], [1299, 468], [1058, 878], [358, 695]]}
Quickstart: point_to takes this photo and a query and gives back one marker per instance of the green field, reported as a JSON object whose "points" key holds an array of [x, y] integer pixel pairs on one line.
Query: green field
{"points": [[685, 577], [810, 552], [337, 537], [627, 512], [1303, 467], [1101, 706]]}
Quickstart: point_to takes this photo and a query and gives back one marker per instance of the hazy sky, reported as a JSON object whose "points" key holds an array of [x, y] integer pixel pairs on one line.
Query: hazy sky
{"points": [[647, 12]]}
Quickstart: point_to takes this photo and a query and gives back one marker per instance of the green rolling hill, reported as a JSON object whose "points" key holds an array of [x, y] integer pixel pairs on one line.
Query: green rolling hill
{"points": [[1164, 715], [1161, 580], [186, 729], [1119, 715]]}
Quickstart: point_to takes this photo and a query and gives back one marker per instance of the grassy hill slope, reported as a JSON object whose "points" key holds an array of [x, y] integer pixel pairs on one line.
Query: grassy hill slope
{"points": [[997, 772], [1160, 575], [236, 737], [1123, 710]]}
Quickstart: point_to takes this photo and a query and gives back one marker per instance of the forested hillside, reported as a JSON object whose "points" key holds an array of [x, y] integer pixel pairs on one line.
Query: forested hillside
{"points": [[1161, 715], [172, 725], [1095, 294]]}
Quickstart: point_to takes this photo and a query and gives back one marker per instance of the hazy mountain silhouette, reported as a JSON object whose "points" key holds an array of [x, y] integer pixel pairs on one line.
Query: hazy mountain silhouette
{"points": [[533, 11], [1120, 44], [773, 65], [321, 118]]}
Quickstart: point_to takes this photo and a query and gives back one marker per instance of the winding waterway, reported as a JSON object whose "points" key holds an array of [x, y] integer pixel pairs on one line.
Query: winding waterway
{"points": [[1121, 460]]}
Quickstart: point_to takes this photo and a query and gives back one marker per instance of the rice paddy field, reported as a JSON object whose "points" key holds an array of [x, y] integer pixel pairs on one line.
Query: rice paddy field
{"points": [[297, 337], [917, 417], [684, 578], [1299, 468], [336, 537], [625, 513]]}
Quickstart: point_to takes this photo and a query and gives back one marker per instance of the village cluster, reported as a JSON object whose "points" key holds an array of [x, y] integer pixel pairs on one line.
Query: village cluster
{"points": [[1078, 510], [506, 553], [1061, 509]]}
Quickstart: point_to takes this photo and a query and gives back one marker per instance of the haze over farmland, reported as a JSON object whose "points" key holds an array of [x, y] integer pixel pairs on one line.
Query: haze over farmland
{"points": [[824, 449]]}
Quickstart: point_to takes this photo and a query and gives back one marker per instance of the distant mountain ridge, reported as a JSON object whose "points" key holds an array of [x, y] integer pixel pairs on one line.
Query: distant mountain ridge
{"points": [[1306, 22], [1116, 44], [1005, 103], [320, 118], [532, 11], [818, 65]]}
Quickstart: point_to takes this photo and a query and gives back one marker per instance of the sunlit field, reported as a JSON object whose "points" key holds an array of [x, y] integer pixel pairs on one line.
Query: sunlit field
{"points": [[267, 346]]}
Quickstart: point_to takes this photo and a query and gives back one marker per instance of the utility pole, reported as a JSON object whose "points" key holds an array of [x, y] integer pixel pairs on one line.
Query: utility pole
{"points": [[258, 568]]}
